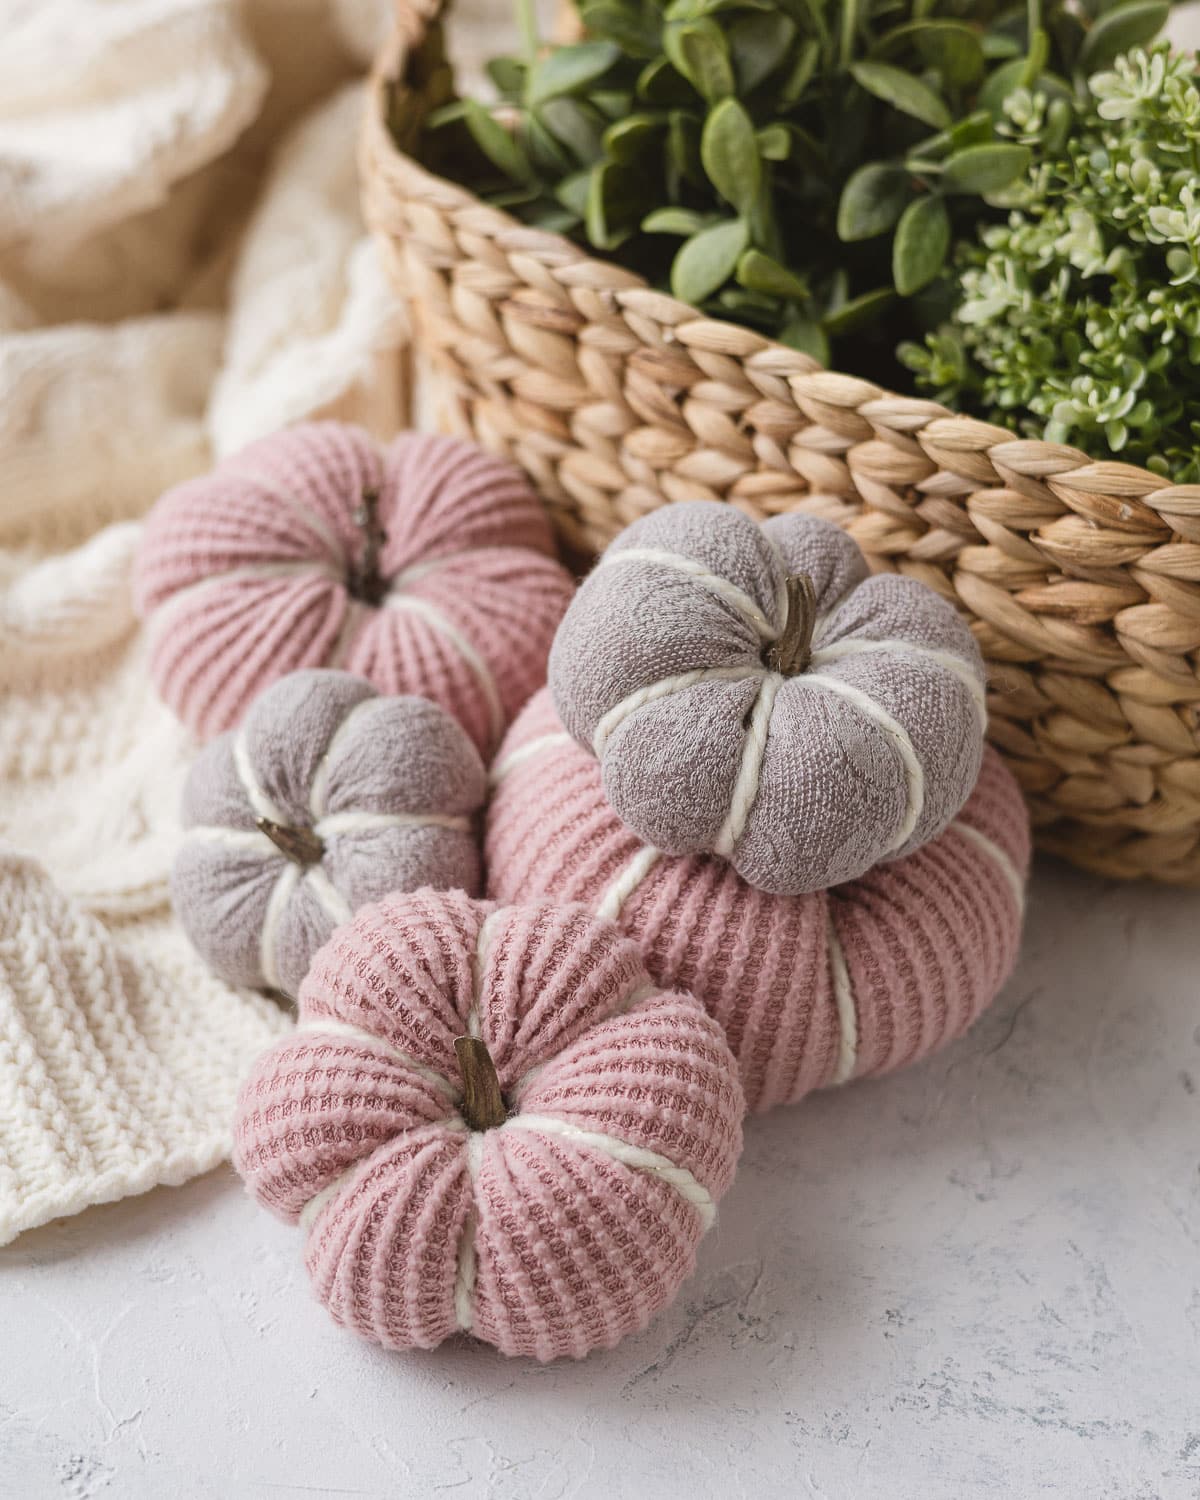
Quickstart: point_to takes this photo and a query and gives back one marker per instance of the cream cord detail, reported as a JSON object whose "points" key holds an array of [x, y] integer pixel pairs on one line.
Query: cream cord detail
{"points": [[636, 1157], [475, 662], [745, 788]]}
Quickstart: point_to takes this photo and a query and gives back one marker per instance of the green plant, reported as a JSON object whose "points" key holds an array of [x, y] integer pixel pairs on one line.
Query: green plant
{"points": [[801, 166], [1079, 318]]}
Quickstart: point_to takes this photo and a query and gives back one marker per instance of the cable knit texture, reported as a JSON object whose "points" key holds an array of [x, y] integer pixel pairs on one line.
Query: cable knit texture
{"points": [[811, 990], [804, 739], [136, 138], [267, 565], [555, 1232], [328, 797]]}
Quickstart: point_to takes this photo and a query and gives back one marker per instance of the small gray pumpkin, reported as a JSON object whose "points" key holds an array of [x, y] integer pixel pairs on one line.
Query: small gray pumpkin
{"points": [[754, 692], [328, 796]]}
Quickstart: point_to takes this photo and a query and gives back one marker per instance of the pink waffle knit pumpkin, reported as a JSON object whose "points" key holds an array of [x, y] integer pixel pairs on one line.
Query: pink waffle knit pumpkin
{"points": [[490, 1120], [811, 990], [426, 567]]}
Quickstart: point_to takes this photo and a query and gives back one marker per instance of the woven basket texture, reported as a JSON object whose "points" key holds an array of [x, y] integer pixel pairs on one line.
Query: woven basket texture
{"points": [[1081, 578]]}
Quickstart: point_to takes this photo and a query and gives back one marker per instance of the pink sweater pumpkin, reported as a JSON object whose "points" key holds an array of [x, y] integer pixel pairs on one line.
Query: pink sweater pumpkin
{"points": [[555, 1216], [811, 990], [426, 567]]}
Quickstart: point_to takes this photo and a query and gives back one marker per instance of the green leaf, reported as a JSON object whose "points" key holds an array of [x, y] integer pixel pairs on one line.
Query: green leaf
{"points": [[692, 10], [684, 221], [902, 91], [807, 335], [974, 130], [952, 47], [800, 75], [577, 126], [683, 150], [567, 70], [759, 43], [501, 148], [997, 47], [699, 52], [729, 151], [759, 273], [774, 143], [614, 206], [859, 311], [626, 139], [659, 83], [985, 169], [633, 27], [572, 192], [508, 74], [1117, 31], [922, 240], [708, 260], [871, 201], [1001, 82], [549, 158]]}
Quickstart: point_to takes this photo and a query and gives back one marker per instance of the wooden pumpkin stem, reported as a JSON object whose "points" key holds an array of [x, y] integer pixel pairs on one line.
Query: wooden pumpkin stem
{"points": [[792, 652], [483, 1106], [366, 581], [299, 844]]}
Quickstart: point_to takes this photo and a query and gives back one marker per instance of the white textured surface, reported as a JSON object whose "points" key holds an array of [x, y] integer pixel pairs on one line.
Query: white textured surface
{"points": [[978, 1278]]}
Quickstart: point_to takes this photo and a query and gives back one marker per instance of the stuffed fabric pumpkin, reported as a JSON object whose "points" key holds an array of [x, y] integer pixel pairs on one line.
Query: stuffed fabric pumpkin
{"points": [[326, 798], [811, 990], [752, 692], [426, 567], [490, 1121]]}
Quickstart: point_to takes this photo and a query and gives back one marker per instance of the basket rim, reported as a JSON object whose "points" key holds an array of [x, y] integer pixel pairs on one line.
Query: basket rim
{"points": [[1137, 492]]}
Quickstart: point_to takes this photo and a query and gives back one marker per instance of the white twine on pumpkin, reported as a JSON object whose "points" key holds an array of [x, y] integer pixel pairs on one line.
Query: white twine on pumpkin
{"points": [[264, 572], [286, 499], [754, 749], [722, 587], [643, 988], [947, 660], [613, 899], [320, 1026], [914, 774], [281, 893], [465, 1268], [337, 908], [1012, 876], [318, 792], [639, 1158], [288, 878], [665, 688], [308, 1214], [474, 661], [525, 752], [843, 999]]}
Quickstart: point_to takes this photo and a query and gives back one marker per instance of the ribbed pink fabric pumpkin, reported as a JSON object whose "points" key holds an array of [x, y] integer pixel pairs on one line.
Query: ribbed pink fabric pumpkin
{"points": [[554, 1217], [811, 990], [426, 567]]}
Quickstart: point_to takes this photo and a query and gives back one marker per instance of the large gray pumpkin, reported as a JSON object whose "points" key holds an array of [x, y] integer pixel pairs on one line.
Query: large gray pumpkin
{"points": [[327, 797], [752, 691]]}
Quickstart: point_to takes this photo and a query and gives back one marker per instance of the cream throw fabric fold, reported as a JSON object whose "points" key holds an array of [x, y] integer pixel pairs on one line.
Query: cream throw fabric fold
{"points": [[182, 268]]}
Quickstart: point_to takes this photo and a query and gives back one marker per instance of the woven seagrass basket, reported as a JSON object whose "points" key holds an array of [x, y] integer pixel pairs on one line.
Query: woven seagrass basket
{"points": [[1081, 578]]}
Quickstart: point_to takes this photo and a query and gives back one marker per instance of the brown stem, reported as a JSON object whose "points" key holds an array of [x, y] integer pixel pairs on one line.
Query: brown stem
{"points": [[792, 652], [483, 1106], [366, 582], [299, 844]]}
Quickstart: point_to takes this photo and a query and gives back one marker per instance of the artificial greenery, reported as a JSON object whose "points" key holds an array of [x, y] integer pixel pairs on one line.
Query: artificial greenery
{"points": [[801, 166], [1079, 318]]}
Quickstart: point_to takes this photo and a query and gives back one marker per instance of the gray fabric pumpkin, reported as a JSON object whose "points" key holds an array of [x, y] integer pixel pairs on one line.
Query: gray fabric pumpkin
{"points": [[329, 796], [754, 692]]}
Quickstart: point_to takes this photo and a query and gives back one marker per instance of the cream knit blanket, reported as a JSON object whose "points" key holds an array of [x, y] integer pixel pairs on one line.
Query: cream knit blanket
{"points": [[182, 268]]}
